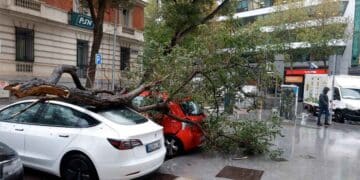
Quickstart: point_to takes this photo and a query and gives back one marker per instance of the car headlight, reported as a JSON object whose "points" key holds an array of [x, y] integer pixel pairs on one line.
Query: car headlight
{"points": [[11, 167]]}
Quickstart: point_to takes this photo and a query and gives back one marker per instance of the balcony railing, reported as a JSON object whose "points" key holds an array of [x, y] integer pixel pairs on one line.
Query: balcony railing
{"points": [[29, 4], [24, 67], [128, 30]]}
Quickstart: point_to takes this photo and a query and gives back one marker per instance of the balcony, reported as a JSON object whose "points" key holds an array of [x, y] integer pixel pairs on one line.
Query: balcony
{"points": [[29, 4], [128, 30]]}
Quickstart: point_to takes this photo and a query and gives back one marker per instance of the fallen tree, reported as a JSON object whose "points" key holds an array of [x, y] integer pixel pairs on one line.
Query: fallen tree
{"points": [[98, 99], [95, 99], [102, 99]]}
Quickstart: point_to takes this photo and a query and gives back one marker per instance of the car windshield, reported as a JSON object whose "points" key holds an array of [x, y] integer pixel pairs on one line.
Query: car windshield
{"points": [[350, 93], [191, 108], [138, 101], [123, 116]]}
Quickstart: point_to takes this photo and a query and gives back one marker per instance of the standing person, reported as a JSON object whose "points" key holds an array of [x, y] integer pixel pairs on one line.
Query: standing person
{"points": [[324, 106]]}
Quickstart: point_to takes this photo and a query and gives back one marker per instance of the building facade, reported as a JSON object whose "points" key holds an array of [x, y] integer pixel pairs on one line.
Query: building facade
{"points": [[347, 59], [36, 36], [355, 63], [249, 10]]}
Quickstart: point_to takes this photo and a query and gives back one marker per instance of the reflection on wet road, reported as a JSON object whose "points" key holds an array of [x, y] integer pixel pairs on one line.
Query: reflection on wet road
{"points": [[312, 153]]}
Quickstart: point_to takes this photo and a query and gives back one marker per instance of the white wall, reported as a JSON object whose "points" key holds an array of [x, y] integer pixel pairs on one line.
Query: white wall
{"points": [[55, 44]]}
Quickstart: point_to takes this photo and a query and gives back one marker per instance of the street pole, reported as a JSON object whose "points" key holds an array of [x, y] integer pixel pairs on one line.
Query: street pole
{"points": [[332, 88], [113, 57]]}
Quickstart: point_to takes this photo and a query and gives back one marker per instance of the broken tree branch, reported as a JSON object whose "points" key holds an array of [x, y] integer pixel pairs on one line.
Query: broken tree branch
{"points": [[180, 33], [59, 70], [78, 95]]}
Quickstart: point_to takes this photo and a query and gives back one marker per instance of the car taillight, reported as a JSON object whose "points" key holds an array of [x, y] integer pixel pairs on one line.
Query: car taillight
{"points": [[125, 144]]}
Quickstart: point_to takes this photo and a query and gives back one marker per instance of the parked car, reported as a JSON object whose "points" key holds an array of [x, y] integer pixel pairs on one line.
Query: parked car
{"points": [[11, 167], [70, 141], [179, 136], [246, 98]]}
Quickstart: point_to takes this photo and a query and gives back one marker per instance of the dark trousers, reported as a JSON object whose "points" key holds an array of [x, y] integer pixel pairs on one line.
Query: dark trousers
{"points": [[324, 110]]}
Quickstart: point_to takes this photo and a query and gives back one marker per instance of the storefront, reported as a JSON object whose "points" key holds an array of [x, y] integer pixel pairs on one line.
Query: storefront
{"points": [[297, 77]]}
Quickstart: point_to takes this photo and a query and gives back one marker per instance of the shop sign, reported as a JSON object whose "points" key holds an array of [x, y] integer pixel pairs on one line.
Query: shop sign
{"points": [[81, 20], [294, 79], [306, 71]]}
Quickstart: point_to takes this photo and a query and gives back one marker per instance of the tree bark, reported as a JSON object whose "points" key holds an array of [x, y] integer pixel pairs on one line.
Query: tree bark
{"points": [[98, 19], [78, 95]]}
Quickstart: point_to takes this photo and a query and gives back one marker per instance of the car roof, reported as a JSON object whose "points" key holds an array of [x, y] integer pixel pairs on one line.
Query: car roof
{"points": [[50, 101]]}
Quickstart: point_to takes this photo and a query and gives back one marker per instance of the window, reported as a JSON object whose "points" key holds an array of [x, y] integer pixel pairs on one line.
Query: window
{"points": [[125, 20], [191, 108], [24, 44], [350, 93], [57, 115], [123, 116], [243, 6], [82, 57], [148, 100], [266, 3], [125, 58], [336, 94], [27, 116]]}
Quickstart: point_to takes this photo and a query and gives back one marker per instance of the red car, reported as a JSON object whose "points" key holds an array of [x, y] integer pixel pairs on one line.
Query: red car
{"points": [[179, 136]]}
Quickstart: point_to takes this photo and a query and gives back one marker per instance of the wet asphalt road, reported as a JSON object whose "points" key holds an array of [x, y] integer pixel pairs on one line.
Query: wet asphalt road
{"points": [[31, 174], [310, 152]]}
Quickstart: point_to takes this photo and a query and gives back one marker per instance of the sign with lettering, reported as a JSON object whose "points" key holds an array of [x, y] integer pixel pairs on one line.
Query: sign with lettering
{"points": [[81, 20], [306, 71]]}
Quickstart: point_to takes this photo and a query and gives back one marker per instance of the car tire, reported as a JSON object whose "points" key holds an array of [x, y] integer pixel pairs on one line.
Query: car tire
{"points": [[173, 146], [339, 116], [78, 167], [314, 111]]}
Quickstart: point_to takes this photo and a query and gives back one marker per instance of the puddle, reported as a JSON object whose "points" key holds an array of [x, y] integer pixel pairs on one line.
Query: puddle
{"points": [[239, 173], [307, 156]]}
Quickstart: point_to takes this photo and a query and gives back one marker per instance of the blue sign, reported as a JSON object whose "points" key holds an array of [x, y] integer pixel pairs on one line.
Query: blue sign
{"points": [[98, 58]]}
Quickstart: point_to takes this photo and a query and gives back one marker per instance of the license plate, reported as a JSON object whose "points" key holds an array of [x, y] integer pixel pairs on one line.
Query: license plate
{"points": [[153, 146]]}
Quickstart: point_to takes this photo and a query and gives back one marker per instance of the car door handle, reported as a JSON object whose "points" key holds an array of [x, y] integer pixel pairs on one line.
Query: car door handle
{"points": [[63, 136], [19, 129]]}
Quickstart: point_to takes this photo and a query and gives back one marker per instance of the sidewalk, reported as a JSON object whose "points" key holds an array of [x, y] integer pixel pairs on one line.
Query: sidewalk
{"points": [[311, 153]]}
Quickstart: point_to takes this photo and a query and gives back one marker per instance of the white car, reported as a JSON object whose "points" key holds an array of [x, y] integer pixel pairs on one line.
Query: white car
{"points": [[75, 143]]}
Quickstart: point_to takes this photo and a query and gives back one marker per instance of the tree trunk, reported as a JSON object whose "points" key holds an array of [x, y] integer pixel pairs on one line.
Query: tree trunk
{"points": [[91, 71], [98, 19]]}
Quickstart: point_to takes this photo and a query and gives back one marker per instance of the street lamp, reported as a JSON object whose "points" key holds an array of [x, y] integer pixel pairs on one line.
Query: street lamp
{"points": [[332, 86]]}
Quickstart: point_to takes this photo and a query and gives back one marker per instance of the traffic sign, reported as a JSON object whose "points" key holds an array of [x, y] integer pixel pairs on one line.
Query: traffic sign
{"points": [[98, 58]]}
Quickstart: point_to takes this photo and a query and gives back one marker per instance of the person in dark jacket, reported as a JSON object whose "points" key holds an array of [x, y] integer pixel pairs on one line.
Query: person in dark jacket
{"points": [[324, 106]]}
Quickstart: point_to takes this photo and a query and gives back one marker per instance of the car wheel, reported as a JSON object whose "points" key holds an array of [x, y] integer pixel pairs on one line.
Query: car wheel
{"points": [[314, 111], [339, 116], [78, 167], [173, 146]]}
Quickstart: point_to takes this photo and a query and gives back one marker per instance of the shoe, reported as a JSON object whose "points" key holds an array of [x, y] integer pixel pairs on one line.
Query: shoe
{"points": [[327, 124], [319, 124]]}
